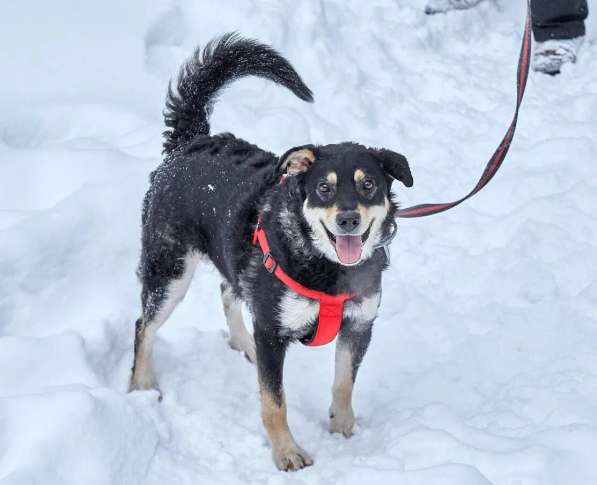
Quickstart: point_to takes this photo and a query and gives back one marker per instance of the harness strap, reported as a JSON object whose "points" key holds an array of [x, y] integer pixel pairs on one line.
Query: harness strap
{"points": [[500, 154], [331, 307]]}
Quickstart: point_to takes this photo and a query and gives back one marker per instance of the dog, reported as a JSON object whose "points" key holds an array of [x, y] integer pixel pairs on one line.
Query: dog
{"points": [[324, 213]]}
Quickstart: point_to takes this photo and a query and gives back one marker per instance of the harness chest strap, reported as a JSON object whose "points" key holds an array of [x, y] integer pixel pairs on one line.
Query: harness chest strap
{"points": [[330, 306]]}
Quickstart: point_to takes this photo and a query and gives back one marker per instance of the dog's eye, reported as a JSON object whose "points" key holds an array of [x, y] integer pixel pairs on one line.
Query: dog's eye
{"points": [[367, 187], [325, 190]]}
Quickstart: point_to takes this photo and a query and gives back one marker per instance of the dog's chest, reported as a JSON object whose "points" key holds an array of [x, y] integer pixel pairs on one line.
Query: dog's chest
{"points": [[296, 313]]}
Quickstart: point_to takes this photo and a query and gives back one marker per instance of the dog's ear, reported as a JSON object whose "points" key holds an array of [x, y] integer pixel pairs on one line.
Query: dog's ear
{"points": [[297, 160], [395, 165]]}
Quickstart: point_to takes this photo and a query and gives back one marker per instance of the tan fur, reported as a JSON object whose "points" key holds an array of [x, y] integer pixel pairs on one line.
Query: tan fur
{"points": [[315, 215], [330, 215], [143, 376], [379, 212], [240, 338], [332, 178], [274, 420], [298, 161], [325, 214], [286, 453], [341, 413], [358, 175]]}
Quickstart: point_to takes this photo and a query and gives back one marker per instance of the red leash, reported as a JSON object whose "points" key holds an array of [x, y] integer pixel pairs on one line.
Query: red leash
{"points": [[498, 157]]}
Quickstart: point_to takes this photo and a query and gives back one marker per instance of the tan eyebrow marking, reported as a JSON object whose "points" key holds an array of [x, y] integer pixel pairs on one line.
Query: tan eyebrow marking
{"points": [[358, 175], [332, 178]]}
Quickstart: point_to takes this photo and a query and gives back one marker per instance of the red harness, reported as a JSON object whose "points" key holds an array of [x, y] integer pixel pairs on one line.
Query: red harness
{"points": [[330, 306]]}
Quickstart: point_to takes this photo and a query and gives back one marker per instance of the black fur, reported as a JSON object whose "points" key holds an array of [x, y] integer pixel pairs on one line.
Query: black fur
{"points": [[395, 165], [207, 194], [221, 61]]}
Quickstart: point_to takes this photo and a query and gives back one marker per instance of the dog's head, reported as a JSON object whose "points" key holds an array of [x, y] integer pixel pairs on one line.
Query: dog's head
{"points": [[346, 191]]}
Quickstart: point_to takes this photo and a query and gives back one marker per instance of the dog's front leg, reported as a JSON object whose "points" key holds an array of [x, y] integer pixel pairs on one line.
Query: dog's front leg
{"points": [[286, 453], [350, 349]]}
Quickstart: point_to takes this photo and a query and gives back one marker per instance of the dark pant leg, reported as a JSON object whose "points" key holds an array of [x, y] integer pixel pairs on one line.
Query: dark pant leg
{"points": [[558, 19]]}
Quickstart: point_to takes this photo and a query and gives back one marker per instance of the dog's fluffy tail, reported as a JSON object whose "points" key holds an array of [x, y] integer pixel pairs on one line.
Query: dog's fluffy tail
{"points": [[222, 60]]}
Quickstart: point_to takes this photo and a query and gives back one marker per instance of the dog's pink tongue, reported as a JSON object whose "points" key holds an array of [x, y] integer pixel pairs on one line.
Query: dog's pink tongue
{"points": [[349, 248]]}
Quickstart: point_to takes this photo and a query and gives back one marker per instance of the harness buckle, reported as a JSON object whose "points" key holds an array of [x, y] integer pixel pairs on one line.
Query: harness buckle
{"points": [[269, 262]]}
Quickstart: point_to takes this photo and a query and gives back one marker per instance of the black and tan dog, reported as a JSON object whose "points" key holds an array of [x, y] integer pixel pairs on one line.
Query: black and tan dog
{"points": [[326, 225]]}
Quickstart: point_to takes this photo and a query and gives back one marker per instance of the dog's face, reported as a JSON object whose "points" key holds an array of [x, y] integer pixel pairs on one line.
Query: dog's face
{"points": [[346, 190]]}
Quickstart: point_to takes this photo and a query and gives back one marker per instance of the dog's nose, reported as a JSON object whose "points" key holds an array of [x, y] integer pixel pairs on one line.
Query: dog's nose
{"points": [[348, 221]]}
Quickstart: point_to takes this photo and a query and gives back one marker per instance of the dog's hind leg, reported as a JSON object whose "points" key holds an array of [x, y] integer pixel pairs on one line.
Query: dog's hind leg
{"points": [[240, 338], [350, 349], [160, 296]]}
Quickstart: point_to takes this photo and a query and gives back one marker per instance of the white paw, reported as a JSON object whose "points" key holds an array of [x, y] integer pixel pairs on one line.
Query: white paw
{"points": [[342, 421], [250, 351], [292, 458], [245, 344]]}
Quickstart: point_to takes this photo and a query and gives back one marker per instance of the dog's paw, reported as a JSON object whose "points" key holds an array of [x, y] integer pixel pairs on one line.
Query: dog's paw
{"points": [[249, 350], [246, 345], [342, 422], [292, 458]]}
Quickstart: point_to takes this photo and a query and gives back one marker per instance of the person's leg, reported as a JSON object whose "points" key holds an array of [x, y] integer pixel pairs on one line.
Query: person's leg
{"points": [[559, 29], [558, 19]]}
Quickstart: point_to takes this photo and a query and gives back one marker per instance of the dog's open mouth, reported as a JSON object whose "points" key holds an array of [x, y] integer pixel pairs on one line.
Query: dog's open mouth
{"points": [[348, 247]]}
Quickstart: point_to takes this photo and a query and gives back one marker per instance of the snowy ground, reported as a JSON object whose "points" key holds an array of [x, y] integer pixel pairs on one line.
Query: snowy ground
{"points": [[483, 366]]}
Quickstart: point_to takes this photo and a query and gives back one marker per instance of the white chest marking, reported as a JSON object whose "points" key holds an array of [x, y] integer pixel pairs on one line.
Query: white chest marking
{"points": [[365, 311], [296, 311]]}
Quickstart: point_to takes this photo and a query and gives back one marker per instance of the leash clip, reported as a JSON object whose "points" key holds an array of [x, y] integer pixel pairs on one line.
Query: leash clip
{"points": [[386, 251], [385, 244]]}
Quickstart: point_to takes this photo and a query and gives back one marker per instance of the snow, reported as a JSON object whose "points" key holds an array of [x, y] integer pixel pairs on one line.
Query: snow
{"points": [[483, 367]]}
